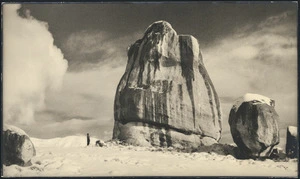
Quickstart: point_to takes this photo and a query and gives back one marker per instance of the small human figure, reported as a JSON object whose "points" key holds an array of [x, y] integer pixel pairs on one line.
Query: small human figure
{"points": [[88, 139]]}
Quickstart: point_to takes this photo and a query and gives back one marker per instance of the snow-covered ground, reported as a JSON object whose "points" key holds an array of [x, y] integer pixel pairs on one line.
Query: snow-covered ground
{"points": [[69, 156]]}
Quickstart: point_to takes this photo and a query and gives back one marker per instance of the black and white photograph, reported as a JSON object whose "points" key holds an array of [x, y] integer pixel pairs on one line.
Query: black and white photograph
{"points": [[104, 89]]}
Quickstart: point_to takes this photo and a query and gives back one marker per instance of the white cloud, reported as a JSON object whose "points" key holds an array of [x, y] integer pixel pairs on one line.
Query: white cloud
{"points": [[263, 61], [87, 93], [89, 49], [87, 42], [83, 105], [32, 65]]}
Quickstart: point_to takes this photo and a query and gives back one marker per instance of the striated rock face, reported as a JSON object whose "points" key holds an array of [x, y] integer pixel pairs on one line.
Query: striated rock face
{"points": [[291, 142], [166, 96], [254, 126], [17, 147]]}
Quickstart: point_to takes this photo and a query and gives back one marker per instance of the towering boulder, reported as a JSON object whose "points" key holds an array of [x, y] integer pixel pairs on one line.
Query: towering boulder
{"points": [[254, 125], [291, 142], [166, 97], [17, 147]]}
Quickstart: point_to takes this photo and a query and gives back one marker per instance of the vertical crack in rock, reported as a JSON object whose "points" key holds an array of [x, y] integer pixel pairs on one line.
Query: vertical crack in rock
{"points": [[211, 89], [168, 138], [135, 48], [164, 103], [149, 53], [157, 55], [187, 59], [201, 70], [141, 55], [181, 99], [148, 80], [217, 101]]}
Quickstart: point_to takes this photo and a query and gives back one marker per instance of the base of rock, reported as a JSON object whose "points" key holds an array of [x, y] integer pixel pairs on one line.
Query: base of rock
{"points": [[143, 134]]}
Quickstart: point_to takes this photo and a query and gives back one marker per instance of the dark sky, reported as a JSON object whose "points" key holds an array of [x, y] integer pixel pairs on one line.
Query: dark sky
{"points": [[207, 21]]}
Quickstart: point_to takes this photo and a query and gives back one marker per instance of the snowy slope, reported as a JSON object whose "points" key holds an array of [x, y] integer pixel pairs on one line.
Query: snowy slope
{"points": [[118, 160], [70, 141]]}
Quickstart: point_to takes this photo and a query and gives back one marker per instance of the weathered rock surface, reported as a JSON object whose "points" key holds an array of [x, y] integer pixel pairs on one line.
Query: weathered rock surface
{"points": [[17, 146], [291, 142], [278, 154], [166, 96], [254, 126]]}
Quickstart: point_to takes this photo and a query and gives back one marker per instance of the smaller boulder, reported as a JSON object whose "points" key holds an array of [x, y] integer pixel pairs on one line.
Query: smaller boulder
{"points": [[254, 125], [291, 147], [100, 143], [17, 146]]}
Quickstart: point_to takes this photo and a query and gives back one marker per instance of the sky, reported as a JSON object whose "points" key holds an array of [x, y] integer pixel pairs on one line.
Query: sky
{"points": [[62, 62]]}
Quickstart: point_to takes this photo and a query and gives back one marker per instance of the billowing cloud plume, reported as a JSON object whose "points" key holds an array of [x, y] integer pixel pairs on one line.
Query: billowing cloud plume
{"points": [[86, 98], [32, 65]]}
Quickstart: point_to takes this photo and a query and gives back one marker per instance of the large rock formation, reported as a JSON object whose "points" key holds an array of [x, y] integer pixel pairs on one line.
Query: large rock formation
{"points": [[254, 125], [291, 147], [17, 147], [166, 97]]}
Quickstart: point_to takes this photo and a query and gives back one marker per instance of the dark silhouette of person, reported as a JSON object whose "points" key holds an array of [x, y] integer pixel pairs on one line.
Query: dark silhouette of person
{"points": [[88, 138]]}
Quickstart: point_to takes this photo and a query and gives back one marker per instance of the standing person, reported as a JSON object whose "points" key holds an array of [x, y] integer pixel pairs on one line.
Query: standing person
{"points": [[88, 139]]}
